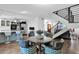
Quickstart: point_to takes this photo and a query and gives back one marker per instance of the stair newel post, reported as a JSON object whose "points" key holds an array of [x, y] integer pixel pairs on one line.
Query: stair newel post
{"points": [[69, 15]]}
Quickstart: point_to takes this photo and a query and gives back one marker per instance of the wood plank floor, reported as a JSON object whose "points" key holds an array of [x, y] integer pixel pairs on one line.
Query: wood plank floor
{"points": [[70, 47], [11, 48]]}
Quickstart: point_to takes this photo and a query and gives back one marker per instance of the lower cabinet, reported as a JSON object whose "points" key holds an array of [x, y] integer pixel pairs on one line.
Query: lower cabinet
{"points": [[3, 37]]}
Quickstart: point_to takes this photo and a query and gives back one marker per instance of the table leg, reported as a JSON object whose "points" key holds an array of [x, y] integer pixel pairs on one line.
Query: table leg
{"points": [[39, 48]]}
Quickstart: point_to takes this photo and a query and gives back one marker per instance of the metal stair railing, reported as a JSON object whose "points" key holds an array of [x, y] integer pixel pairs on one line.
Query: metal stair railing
{"points": [[57, 33], [70, 13]]}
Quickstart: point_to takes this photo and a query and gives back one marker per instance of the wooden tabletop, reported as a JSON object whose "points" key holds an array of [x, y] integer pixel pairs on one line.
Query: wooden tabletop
{"points": [[36, 39]]}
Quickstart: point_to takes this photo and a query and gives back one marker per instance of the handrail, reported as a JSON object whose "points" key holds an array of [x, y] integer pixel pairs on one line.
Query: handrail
{"points": [[55, 25], [62, 16], [53, 28]]}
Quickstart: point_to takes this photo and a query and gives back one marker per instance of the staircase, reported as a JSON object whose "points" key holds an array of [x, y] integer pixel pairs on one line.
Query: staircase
{"points": [[60, 33], [70, 14]]}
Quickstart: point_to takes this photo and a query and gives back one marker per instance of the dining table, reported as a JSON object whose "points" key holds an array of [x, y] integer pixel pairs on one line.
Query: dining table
{"points": [[39, 41]]}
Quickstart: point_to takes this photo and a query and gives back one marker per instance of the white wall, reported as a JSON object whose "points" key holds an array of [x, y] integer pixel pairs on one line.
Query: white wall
{"points": [[31, 21], [73, 25], [55, 18], [37, 22], [4, 28], [69, 25], [58, 18], [10, 16]]}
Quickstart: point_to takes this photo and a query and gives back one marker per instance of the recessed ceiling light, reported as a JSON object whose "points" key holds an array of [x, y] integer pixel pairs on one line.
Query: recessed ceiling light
{"points": [[43, 4], [24, 12]]}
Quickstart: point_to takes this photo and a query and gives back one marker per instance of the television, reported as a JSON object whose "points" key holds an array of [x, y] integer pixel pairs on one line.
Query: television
{"points": [[31, 28], [23, 22]]}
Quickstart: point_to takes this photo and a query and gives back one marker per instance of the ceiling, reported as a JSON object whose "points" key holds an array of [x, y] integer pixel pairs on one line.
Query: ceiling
{"points": [[39, 10]]}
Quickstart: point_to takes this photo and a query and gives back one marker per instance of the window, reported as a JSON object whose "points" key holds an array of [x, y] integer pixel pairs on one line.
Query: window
{"points": [[8, 23], [2, 23]]}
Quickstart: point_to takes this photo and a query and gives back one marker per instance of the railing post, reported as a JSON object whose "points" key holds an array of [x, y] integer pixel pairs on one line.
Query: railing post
{"points": [[72, 18], [69, 15]]}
